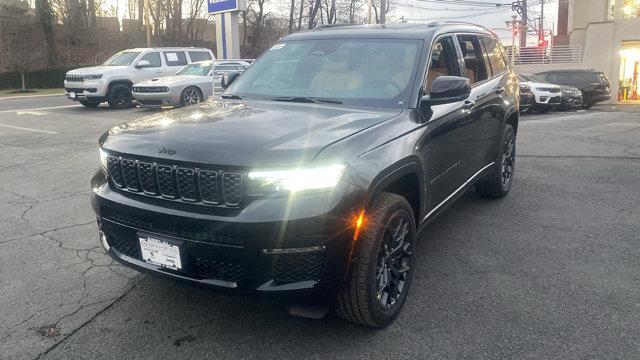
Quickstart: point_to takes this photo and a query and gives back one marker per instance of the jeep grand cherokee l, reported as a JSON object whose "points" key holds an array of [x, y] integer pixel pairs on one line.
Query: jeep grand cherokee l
{"points": [[314, 172]]}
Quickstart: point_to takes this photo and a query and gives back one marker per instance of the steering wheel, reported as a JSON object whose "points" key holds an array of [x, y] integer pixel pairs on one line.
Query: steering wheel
{"points": [[384, 83]]}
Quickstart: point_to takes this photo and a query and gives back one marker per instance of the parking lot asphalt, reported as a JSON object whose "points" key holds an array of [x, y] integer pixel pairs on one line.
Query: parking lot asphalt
{"points": [[550, 271]]}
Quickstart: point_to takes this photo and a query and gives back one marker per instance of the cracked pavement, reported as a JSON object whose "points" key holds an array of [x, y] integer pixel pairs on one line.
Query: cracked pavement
{"points": [[551, 271]]}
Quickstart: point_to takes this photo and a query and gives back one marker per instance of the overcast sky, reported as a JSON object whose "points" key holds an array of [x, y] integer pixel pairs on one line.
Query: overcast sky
{"points": [[490, 16]]}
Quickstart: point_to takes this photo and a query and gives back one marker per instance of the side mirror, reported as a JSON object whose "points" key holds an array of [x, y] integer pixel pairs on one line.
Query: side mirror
{"points": [[143, 64], [228, 78], [447, 89]]}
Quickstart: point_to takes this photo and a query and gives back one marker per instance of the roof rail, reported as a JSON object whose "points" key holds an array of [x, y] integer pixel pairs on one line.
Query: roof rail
{"points": [[330, 26]]}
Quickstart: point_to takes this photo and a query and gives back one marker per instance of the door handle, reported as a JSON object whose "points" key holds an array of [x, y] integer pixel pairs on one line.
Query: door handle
{"points": [[500, 90], [468, 105]]}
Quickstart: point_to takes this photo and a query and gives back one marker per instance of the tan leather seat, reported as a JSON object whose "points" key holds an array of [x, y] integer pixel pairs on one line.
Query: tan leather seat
{"points": [[335, 76]]}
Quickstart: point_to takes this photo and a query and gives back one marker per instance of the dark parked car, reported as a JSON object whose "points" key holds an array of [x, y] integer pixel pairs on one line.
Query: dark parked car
{"points": [[594, 85], [313, 175], [571, 98], [527, 100]]}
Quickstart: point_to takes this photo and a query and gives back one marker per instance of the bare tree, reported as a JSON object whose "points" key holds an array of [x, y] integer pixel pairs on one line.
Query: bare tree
{"points": [[314, 7]]}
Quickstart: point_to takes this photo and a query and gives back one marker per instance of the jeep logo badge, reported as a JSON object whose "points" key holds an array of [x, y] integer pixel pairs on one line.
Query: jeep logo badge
{"points": [[164, 150]]}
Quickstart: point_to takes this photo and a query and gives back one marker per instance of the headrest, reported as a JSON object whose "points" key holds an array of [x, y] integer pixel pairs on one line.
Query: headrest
{"points": [[463, 47]]}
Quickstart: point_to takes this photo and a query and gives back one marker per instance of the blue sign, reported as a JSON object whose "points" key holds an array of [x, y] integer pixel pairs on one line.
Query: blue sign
{"points": [[221, 6]]}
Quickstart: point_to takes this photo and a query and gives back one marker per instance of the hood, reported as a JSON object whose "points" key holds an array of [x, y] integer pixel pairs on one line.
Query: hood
{"points": [[242, 133], [175, 80], [91, 70]]}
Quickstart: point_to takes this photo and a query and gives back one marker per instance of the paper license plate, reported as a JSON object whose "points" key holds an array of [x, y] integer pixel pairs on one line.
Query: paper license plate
{"points": [[161, 253]]}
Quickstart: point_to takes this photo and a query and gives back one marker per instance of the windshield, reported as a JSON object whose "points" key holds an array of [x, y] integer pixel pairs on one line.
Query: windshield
{"points": [[124, 58], [201, 69], [360, 72], [534, 78]]}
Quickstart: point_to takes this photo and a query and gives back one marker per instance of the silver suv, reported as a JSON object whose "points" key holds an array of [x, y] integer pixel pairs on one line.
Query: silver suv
{"points": [[112, 81]]}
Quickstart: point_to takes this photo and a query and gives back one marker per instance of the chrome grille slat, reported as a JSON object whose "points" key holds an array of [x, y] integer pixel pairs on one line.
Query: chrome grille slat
{"points": [[178, 183]]}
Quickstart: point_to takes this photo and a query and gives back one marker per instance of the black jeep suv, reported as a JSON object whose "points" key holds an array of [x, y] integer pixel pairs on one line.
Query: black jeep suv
{"points": [[313, 174]]}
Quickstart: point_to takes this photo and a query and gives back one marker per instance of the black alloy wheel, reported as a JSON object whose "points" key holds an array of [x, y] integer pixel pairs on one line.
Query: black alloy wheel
{"points": [[394, 259], [120, 96], [508, 162], [379, 279]]}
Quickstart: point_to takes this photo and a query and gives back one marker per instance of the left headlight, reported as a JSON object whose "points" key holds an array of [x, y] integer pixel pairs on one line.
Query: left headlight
{"points": [[293, 180], [103, 159], [91, 77]]}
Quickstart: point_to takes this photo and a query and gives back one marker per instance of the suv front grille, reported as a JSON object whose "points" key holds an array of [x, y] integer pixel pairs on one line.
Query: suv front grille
{"points": [[193, 185], [74, 78]]}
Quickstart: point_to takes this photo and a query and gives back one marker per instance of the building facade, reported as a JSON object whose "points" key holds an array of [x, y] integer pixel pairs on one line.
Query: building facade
{"points": [[609, 33]]}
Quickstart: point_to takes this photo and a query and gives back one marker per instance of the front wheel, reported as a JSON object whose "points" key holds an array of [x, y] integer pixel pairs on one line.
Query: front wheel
{"points": [[379, 280], [498, 183], [191, 96], [119, 96]]}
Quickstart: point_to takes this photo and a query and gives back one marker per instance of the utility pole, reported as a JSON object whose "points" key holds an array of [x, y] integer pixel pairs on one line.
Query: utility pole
{"points": [[525, 21], [146, 20], [541, 30]]}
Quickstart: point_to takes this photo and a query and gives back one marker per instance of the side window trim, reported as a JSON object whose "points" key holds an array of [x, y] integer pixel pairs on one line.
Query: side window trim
{"points": [[451, 37], [464, 65]]}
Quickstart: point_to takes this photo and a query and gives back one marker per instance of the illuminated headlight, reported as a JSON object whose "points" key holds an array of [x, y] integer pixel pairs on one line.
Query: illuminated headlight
{"points": [[91, 77], [103, 159], [292, 180]]}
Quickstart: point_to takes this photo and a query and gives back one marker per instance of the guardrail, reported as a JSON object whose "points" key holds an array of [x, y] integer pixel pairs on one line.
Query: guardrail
{"points": [[565, 54]]}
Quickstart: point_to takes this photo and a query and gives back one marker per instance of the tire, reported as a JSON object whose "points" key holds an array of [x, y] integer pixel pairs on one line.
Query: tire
{"points": [[119, 96], [498, 183], [358, 301], [191, 96], [587, 105], [90, 103]]}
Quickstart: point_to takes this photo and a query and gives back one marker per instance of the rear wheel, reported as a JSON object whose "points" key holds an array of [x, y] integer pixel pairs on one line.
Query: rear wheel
{"points": [[119, 96], [90, 103], [191, 96], [379, 280], [498, 183]]}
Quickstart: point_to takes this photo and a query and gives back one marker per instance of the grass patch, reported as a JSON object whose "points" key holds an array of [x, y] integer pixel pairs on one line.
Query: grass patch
{"points": [[56, 91]]}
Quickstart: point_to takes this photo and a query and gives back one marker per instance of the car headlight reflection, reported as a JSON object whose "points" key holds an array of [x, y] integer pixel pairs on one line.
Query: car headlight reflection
{"points": [[103, 159], [293, 180]]}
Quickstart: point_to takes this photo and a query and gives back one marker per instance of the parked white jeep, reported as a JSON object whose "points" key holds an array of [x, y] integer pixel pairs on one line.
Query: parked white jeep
{"points": [[112, 81]]}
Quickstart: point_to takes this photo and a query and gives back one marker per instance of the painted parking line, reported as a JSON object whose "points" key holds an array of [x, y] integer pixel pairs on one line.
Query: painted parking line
{"points": [[42, 108], [18, 97], [28, 129]]}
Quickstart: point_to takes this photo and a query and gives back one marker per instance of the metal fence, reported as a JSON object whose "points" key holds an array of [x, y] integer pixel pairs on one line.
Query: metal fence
{"points": [[565, 54]]}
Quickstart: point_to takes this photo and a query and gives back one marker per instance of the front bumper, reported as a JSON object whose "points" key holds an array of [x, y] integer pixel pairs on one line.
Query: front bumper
{"points": [[157, 100], [547, 99], [91, 90], [239, 252]]}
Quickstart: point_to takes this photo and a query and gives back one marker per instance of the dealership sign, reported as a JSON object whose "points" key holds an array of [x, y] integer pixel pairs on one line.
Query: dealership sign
{"points": [[222, 6]]}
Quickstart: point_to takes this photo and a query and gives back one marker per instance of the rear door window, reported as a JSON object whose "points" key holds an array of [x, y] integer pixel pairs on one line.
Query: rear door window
{"points": [[199, 56], [495, 54], [175, 58], [475, 62]]}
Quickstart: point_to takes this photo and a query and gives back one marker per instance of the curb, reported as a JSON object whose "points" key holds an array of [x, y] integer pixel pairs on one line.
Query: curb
{"points": [[28, 96]]}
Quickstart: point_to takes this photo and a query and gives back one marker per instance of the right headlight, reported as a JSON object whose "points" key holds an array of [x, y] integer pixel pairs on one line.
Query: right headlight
{"points": [[294, 180], [103, 159]]}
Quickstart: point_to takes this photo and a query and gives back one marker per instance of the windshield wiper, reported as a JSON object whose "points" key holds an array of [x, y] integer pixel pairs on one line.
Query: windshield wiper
{"points": [[306, 99], [231, 96]]}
